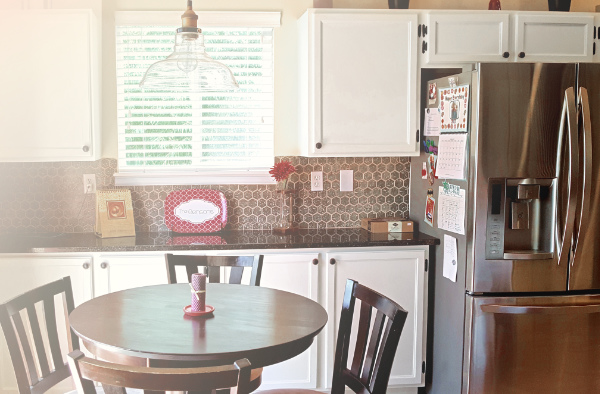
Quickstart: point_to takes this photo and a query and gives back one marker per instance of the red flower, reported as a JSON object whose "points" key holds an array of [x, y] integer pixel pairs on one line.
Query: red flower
{"points": [[282, 170]]}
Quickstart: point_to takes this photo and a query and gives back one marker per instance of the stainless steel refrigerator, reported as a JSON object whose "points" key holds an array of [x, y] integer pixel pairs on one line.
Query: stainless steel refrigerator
{"points": [[524, 313]]}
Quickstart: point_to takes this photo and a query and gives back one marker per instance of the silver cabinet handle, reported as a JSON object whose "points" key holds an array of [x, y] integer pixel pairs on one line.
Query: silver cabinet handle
{"points": [[540, 309], [86, 266], [103, 265], [86, 148]]}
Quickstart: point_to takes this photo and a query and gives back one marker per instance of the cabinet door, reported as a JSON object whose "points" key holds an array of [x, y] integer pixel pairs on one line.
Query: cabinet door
{"points": [[554, 38], [20, 274], [399, 275], [296, 273], [467, 37], [119, 272], [362, 84], [47, 77]]}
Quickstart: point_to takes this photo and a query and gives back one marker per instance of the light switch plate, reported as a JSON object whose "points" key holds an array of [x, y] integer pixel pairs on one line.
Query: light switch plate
{"points": [[346, 180], [316, 181]]}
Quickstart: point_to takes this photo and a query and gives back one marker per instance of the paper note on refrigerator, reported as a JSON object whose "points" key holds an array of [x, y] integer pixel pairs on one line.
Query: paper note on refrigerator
{"points": [[450, 258], [432, 122], [451, 209], [451, 156]]}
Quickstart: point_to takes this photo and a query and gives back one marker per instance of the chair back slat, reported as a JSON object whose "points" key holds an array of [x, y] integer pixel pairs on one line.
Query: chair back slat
{"points": [[235, 275], [85, 370], [37, 340], [214, 274], [213, 265], [13, 348], [372, 355], [25, 362], [370, 369], [361, 339], [69, 305], [50, 315], [26, 349], [191, 269]]}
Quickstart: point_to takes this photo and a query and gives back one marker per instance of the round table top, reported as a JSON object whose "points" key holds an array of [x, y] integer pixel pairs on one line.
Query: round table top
{"points": [[265, 325]]}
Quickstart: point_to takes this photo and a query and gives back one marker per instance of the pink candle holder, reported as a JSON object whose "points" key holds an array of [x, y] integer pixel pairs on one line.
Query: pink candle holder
{"points": [[198, 292]]}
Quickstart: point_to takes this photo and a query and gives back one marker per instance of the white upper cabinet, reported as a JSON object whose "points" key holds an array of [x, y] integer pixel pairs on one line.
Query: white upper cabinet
{"points": [[50, 96], [358, 83], [498, 36], [554, 38], [459, 37]]}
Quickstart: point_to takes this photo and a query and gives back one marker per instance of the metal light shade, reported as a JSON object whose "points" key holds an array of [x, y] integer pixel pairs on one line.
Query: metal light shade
{"points": [[189, 68]]}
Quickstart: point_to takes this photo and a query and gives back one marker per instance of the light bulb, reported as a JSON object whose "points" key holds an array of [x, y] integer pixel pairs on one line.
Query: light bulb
{"points": [[187, 64]]}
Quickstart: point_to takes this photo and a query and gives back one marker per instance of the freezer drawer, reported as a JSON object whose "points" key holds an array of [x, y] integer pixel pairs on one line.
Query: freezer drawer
{"points": [[544, 344]]}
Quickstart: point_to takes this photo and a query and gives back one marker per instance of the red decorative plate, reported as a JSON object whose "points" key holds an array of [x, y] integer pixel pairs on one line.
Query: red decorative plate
{"points": [[207, 309], [196, 211]]}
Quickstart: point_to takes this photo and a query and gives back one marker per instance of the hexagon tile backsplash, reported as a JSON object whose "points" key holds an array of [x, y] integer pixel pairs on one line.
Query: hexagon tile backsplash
{"points": [[48, 197]]}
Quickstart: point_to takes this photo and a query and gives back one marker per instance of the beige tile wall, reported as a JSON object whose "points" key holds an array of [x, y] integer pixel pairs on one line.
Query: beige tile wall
{"points": [[48, 197]]}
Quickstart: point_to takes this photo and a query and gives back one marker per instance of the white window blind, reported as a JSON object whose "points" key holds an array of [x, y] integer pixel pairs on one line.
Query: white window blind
{"points": [[165, 131]]}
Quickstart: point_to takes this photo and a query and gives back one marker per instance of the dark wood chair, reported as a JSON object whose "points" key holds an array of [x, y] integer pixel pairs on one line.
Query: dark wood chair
{"points": [[26, 355], [375, 346], [213, 266], [86, 371]]}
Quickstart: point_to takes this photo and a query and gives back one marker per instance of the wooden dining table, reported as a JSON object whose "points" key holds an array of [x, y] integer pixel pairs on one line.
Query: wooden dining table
{"points": [[146, 326]]}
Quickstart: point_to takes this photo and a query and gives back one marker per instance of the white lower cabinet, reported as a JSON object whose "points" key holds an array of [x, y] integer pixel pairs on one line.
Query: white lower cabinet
{"points": [[399, 275], [295, 273], [21, 273], [124, 271], [397, 272]]}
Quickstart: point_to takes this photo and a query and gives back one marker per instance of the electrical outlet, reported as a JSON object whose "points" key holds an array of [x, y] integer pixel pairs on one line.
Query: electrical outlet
{"points": [[89, 183], [316, 181]]}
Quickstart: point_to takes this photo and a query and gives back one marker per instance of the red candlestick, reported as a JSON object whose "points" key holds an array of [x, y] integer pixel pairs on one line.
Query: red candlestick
{"points": [[199, 292]]}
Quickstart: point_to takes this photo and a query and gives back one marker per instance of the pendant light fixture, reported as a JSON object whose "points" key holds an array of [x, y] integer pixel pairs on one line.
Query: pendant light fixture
{"points": [[189, 68]]}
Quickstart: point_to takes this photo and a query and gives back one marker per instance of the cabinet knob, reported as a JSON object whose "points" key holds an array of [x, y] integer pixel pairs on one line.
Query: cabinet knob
{"points": [[521, 55], [424, 30], [332, 261], [86, 148], [103, 265], [424, 47], [86, 266], [505, 55], [319, 145], [315, 261]]}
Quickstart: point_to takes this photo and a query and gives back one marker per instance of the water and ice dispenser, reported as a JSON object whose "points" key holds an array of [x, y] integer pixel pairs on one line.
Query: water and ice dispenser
{"points": [[520, 219]]}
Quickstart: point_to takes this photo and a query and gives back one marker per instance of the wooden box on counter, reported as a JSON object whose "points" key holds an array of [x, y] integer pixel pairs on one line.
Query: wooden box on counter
{"points": [[387, 225]]}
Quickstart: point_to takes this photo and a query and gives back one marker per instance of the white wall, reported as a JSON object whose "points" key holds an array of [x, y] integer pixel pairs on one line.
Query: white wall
{"points": [[285, 50]]}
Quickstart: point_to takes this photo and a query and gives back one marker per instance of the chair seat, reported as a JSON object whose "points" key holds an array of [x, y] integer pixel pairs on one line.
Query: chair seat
{"points": [[291, 391]]}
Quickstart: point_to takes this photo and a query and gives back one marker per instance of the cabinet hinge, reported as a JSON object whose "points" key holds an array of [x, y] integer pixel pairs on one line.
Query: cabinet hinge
{"points": [[423, 367], [426, 264], [418, 135]]}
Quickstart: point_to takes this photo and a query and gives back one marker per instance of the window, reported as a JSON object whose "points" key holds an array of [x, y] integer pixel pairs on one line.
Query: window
{"points": [[173, 138]]}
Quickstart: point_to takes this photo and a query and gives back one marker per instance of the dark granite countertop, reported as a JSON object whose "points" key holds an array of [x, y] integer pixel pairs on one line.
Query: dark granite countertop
{"points": [[166, 241]]}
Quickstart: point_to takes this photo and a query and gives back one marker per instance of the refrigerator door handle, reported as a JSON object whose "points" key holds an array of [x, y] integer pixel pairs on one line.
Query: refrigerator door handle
{"points": [[569, 116], [586, 177], [540, 309]]}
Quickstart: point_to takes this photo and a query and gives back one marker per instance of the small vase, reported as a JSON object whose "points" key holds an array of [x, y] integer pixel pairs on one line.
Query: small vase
{"points": [[494, 5], [398, 4], [285, 223], [559, 5]]}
